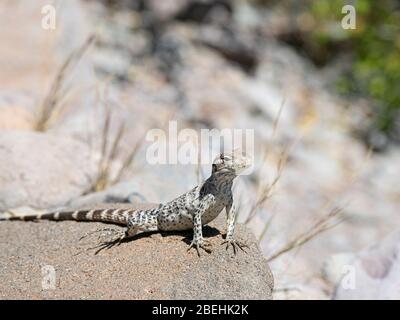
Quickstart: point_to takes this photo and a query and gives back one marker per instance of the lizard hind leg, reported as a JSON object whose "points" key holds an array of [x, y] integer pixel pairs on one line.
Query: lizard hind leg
{"points": [[135, 225], [131, 231], [140, 224]]}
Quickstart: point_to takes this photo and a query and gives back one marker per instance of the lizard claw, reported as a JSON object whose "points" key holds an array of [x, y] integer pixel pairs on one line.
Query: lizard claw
{"points": [[234, 244], [111, 231], [197, 244]]}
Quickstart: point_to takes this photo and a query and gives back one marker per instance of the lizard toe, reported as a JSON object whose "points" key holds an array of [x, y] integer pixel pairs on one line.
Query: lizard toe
{"points": [[203, 244], [235, 244]]}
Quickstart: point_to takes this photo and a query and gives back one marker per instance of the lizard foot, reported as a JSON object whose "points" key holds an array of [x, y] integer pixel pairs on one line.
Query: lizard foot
{"points": [[129, 233], [108, 244], [197, 244], [103, 232], [235, 244]]}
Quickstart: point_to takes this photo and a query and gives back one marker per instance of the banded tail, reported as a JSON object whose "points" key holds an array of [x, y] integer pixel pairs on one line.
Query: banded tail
{"points": [[113, 215]]}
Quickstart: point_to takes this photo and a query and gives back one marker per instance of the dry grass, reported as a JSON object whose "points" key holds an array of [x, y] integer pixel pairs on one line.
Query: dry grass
{"points": [[277, 118], [109, 153], [266, 228], [265, 190], [49, 108], [327, 222]]}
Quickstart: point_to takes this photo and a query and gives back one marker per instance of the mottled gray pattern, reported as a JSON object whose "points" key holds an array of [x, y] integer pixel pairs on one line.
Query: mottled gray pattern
{"points": [[193, 209]]}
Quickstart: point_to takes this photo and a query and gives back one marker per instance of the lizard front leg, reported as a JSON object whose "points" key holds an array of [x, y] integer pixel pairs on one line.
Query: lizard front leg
{"points": [[231, 223], [198, 240]]}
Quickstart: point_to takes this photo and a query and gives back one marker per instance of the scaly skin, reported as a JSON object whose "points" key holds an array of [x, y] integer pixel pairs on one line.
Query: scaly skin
{"points": [[195, 208]]}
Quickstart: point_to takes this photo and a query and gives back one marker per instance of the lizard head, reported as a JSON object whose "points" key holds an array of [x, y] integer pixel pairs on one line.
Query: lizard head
{"points": [[232, 163]]}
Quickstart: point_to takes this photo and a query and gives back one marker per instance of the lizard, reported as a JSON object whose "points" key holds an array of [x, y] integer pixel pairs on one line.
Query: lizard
{"points": [[193, 209]]}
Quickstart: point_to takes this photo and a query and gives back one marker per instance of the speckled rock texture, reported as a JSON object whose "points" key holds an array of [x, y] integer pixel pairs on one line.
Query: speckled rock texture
{"points": [[155, 266]]}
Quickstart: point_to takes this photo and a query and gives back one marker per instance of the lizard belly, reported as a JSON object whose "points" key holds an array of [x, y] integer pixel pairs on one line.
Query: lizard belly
{"points": [[175, 222], [184, 220]]}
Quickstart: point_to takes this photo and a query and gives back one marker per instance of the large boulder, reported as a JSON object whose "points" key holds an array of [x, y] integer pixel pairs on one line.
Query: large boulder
{"points": [[42, 170], [156, 266]]}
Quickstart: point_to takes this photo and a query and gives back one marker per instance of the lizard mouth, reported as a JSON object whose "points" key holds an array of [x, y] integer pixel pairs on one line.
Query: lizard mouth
{"points": [[243, 166]]}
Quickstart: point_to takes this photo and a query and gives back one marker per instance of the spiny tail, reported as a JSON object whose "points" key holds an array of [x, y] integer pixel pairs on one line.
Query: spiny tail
{"points": [[116, 216]]}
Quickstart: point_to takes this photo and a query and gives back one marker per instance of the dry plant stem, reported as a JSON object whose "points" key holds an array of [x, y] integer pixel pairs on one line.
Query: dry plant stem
{"points": [[266, 190], [278, 117], [104, 139], [116, 142], [128, 161], [56, 93], [101, 181], [266, 228], [325, 223], [298, 242], [109, 152]]}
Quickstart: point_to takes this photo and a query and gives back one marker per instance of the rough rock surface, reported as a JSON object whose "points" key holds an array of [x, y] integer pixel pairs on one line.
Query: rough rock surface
{"points": [[156, 266], [40, 170]]}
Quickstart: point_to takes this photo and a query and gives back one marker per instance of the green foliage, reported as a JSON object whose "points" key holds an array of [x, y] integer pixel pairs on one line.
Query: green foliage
{"points": [[375, 46]]}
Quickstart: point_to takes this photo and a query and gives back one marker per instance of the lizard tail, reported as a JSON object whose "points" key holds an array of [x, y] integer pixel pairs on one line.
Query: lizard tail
{"points": [[115, 216]]}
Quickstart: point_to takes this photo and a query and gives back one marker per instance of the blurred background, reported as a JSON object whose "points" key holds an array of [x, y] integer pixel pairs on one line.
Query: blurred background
{"points": [[77, 100]]}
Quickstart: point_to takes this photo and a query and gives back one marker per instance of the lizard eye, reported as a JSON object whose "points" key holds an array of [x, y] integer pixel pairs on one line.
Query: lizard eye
{"points": [[221, 156]]}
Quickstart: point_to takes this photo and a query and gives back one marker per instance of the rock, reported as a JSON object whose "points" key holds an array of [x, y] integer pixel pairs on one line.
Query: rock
{"points": [[156, 266], [123, 192], [335, 266], [165, 10], [16, 110], [40, 170], [207, 74], [32, 57], [30, 54], [375, 272], [300, 291], [151, 183]]}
